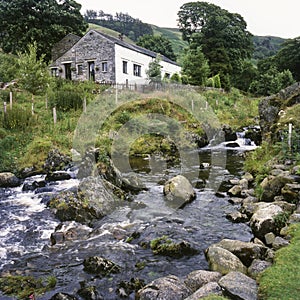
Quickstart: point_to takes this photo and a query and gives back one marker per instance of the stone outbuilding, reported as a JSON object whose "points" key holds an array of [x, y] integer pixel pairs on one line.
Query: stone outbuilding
{"points": [[105, 59]]}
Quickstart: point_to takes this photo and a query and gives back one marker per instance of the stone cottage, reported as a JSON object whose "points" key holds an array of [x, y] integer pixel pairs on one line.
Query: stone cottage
{"points": [[102, 58]]}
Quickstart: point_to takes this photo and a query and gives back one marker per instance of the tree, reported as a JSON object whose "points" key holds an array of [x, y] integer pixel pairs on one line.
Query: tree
{"points": [[195, 66], [8, 67], [154, 71], [222, 35], [288, 57], [158, 44], [46, 22], [33, 73]]}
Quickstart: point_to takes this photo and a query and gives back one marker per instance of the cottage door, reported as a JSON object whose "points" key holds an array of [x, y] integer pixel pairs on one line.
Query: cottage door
{"points": [[68, 72], [92, 70]]}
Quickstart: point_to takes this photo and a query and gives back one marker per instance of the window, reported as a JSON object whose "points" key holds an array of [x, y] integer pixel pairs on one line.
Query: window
{"points": [[137, 70], [79, 69], [54, 72], [104, 66], [125, 65]]}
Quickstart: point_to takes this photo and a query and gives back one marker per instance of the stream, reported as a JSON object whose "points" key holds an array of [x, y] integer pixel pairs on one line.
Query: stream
{"points": [[27, 224]]}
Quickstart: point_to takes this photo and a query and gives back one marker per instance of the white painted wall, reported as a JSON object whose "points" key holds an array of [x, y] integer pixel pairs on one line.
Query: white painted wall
{"points": [[133, 57]]}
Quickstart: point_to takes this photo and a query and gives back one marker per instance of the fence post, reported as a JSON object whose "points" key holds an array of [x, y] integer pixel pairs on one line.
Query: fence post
{"points": [[290, 136], [54, 115], [47, 101], [84, 104], [116, 93], [4, 107], [10, 99], [192, 104]]}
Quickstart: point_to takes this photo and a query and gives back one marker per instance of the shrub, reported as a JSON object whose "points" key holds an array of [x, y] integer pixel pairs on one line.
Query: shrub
{"points": [[17, 118]]}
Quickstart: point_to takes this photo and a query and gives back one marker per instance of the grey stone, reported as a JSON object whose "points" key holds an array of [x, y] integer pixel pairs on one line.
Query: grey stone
{"points": [[223, 261], [165, 288], [245, 251], [239, 286], [199, 278], [211, 288], [257, 267], [235, 191], [8, 179], [179, 191], [270, 238], [279, 242], [237, 217]]}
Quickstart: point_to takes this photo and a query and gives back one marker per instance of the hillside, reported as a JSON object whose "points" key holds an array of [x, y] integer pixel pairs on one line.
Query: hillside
{"points": [[265, 46]]}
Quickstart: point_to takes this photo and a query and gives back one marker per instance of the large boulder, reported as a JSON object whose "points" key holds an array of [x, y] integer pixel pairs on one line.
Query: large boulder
{"points": [[223, 261], [197, 279], [272, 186], [93, 200], [239, 286], [257, 267], [245, 251], [262, 221], [179, 191], [8, 180], [165, 288], [56, 161]]}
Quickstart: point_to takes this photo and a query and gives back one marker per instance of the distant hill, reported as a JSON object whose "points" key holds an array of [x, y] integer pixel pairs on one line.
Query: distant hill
{"points": [[266, 46]]}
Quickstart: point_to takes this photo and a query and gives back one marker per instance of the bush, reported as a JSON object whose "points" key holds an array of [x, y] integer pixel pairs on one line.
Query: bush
{"points": [[17, 118], [66, 100]]}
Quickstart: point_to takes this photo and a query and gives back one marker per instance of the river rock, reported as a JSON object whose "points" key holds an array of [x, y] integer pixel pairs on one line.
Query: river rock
{"points": [[92, 201], [272, 186], [257, 267], [8, 180], [100, 266], [179, 191], [56, 161], [33, 186], [211, 288], [291, 192], [245, 251], [223, 261], [279, 242], [229, 134], [262, 220], [239, 286], [196, 279], [58, 176], [237, 217], [235, 191], [63, 296], [165, 288]]}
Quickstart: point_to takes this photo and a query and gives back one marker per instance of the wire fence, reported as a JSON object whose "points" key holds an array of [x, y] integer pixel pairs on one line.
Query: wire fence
{"points": [[290, 141]]}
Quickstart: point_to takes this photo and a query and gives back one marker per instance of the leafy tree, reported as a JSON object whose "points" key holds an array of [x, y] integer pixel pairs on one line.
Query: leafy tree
{"points": [[24, 21], [33, 73], [158, 44], [195, 66], [288, 57], [8, 67], [154, 71], [175, 78], [222, 35], [271, 82]]}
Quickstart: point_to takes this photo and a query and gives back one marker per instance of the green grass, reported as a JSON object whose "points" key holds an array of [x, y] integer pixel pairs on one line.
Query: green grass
{"points": [[281, 280]]}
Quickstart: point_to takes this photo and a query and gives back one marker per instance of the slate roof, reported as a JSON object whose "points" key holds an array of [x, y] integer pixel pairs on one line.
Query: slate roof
{"points": [[135, 47]]}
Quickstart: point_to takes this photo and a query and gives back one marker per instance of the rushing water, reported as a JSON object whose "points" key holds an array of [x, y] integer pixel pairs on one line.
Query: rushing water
{"points": [[26, 226]]}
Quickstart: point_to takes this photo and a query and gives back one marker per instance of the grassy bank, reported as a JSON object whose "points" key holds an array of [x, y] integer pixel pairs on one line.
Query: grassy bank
{"points": [[26, 138]]}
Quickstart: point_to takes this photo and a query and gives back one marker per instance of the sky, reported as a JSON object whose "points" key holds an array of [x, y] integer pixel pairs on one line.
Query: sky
{"points": [[264, 17]]}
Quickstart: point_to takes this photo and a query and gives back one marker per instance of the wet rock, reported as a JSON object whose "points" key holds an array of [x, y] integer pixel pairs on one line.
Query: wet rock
{"points": [[63, 296], [58, 176], [166, 247], [196, 279], [166, 288], [232, 145], [257, 267], [272, 187], [125, 288], [56, 161], [211, 288], [229, 134], [262, 221], [235, 191], [179, 191], [239, 286], [279, 242], [248, 208], [291, 192], [254, 134], [100, 266], [89, 292], [248, 176], [223, 261], [237, 217], [132, 183], [235, 200], [8, 180], [69, 231], [245, 251], [33, 186], [92, 201]]}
